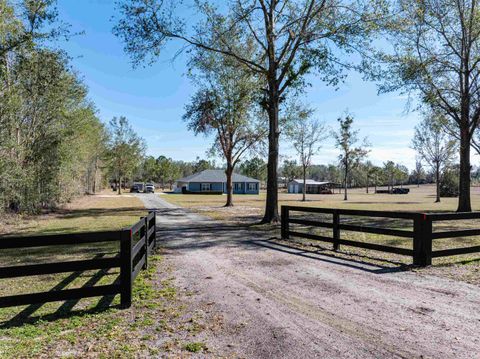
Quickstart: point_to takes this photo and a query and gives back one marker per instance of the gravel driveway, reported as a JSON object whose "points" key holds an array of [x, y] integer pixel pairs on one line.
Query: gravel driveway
{"points": [[273, 301]]}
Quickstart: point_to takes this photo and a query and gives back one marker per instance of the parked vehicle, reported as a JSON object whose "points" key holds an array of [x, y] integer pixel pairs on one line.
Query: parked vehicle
{"points": [[400, 190], [137, 187], [149, 188], [393, 191]]}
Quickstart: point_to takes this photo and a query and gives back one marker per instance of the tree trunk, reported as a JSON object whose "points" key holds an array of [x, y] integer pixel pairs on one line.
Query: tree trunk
{"points": [[304, 191], [228, 173], [367, 183], [345, 197], [120, 185], [271, 206], [437, 180], [94, 186], [464, 204]]}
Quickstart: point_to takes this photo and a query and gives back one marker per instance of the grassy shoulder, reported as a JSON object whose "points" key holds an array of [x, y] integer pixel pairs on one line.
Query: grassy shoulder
{"points": [[105, 211], [98, 328], [157, 323]]}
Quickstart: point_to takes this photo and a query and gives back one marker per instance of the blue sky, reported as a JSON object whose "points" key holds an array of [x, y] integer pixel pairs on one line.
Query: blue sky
{"points": [[153, 98]]}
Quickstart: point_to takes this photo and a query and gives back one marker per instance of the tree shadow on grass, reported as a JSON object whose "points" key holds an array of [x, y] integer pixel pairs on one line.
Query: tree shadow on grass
{"points": [[95, 212], [103, 305], [37, 255], [66, 310]]}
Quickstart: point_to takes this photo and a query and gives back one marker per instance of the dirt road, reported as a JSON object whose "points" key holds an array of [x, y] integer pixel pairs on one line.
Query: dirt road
{"points": [[272, 301]]}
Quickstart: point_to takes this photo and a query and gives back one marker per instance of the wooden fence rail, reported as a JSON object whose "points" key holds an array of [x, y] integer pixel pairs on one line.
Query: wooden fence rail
{"points": [[421, 233], [136, 244]]}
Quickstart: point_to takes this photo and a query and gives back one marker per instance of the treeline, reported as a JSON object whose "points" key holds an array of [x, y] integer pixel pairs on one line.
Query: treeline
{"points": [[50, 137], [366, 174], [388, 175], [165, 171], [52, 144]]}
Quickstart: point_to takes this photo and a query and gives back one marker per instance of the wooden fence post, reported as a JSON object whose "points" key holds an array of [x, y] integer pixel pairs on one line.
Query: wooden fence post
{"points": [[126, 267], [336, 230], [145, 221], [155, 229], [422, 240], [285, 225]]}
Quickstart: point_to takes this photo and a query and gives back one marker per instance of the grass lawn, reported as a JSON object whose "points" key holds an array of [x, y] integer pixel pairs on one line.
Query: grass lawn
{"points": [[96, 327], [105, 211], [252, 206], [249, 209]]}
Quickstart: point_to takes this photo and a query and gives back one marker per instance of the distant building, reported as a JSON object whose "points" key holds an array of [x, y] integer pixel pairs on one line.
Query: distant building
{"points": [[313, 187], [282, 182], [211, 181]]}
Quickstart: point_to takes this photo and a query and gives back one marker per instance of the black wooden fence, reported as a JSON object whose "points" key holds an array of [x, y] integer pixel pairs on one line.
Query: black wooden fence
{"points": [[136, 243], [421, 231]]}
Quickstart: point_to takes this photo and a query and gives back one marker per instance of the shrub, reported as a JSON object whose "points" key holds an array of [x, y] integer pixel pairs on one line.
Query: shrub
{"points": [[449, 184], [195, 347]]}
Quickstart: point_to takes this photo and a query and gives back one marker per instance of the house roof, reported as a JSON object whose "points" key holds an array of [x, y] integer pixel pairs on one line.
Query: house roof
{"points": [[215, 176], [310, 182]]}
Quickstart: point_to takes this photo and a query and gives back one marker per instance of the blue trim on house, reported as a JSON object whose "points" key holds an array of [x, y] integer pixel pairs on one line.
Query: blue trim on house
{"points": [[252, 188], [197, 186], [238, 187]]}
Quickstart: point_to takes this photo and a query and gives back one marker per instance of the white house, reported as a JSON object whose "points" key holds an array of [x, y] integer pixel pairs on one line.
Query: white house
{"points": [[296, 186]]}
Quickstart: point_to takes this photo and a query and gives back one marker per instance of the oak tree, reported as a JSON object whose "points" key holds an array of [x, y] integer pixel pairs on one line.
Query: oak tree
{"points": [[125, 150], [351, 151], [306, 136], [225, 106], [435, 147], [436, 53]]}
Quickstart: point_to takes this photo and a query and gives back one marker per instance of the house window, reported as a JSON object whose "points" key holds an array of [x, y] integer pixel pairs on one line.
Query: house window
{"points": [[237, 186], [252, 186], [206, 187]]}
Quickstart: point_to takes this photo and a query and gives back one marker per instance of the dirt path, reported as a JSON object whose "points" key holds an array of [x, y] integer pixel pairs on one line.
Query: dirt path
{"points": [[265, 300]]}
